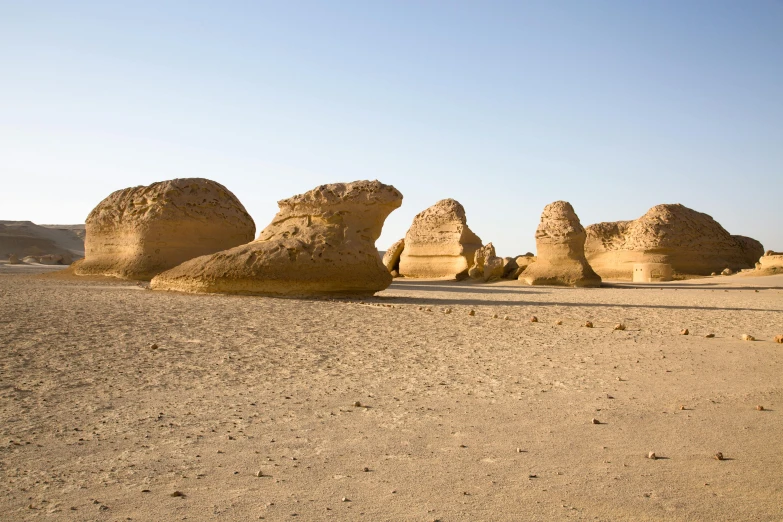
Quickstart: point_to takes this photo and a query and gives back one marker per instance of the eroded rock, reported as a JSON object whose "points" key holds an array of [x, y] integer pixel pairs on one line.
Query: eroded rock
{"points": [[319, 243]]}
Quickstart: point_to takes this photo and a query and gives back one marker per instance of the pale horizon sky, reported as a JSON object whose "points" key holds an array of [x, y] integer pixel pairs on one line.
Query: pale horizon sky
{"points": [[504, 106]]}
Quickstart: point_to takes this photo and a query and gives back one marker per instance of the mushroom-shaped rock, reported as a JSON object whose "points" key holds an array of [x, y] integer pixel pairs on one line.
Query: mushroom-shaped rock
{"points": [[439, 243], [391, 258], [560, 241], [691, 242], [138, 232], [319, 243]]}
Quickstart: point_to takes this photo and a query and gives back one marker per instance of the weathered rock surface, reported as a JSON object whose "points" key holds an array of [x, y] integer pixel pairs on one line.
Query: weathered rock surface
{"points": [[770, 263], [692, 242], [439, 243], [138, 232], [493, 268], [391, 258], [480, 257], [560, 241], [13, 259], [521, 263], [321, 242]]}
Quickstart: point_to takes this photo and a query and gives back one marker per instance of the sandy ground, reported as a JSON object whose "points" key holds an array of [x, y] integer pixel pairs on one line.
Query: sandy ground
{"points": [[461, 418]]}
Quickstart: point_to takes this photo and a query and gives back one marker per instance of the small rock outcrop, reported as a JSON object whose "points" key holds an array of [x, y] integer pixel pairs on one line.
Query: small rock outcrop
{"points": [[560, 241], [514, 269], [493, 268], [439, 243], [321, 242], [391, 258], [138, 232], [771, 263], [691, 242], [13, 259]]}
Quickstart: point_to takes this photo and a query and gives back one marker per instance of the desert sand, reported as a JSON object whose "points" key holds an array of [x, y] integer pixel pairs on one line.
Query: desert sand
{"points": [[121, 403]]}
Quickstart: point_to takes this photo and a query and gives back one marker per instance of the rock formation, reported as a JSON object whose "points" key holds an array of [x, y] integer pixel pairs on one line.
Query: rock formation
{"points": [[514, 269], [319, 243], [493, 268], [690, 241], [439, 243], [560, 241], [13, 259], [138, 232], [481, 256], [770, 263], [391, 258]]}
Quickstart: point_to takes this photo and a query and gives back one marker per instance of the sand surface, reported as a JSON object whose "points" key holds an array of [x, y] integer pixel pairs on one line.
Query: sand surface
{"points": [[461, 418]]}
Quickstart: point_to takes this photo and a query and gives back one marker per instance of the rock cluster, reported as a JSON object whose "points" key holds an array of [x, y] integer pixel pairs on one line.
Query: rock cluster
{"points": [[439, 243], [690, 241], [560, 241], [138, 232], [319, 243]]}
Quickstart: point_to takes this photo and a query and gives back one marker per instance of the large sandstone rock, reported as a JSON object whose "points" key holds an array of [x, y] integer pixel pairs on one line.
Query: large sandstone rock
{"points": [[560, 241], [493, 268], [692, 242], [439, 243], [138, 232], [391, 258], [480, 257], [319, 243]]}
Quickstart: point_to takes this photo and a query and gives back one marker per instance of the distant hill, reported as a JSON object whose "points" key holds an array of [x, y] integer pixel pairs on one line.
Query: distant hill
{"points": [[25, 238]]}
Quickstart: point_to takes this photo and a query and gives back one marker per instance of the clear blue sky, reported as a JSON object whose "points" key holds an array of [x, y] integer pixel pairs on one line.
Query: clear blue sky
{"points": [[505, 106]]}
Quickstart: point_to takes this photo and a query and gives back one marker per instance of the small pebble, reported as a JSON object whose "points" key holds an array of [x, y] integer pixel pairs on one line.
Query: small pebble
{"points": [[746, 337], [346, 499], [760, 407], [718, 456], [494, 316], [619, 326], [259, 473], [652, 455], [472, 312], [506, 318], [153, 347], [366, 470], [588, 324], [682, 407], [447, 311], [177, 494], [534, 319], [595, 421], [778, 339], [357, 404], [684, 331], [710, 335], [558, 322]]}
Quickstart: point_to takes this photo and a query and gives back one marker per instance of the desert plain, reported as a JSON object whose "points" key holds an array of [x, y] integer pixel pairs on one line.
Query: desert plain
{"points": [[122, 403]]}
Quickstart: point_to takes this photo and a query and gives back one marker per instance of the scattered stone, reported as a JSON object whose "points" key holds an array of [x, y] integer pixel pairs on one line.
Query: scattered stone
{"points": [[718, 456], [447, 311], [727, 272], [259, 473], [177, 494], [619, 326], [153, 347], [533, 319], [747, 337], [684, 331], [595, 421], [506, 318], [713, 273], [366, 469], [472, 312], [760, 407], [652, 455], [588, 324], [346, 499], [682, 407], [558, 322], [710, 335], [778, 339], [357, 404], [494, 316]]}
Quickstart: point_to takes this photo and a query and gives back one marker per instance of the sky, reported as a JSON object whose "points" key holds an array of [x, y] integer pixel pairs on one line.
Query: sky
{"points": [[503, 106]]}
